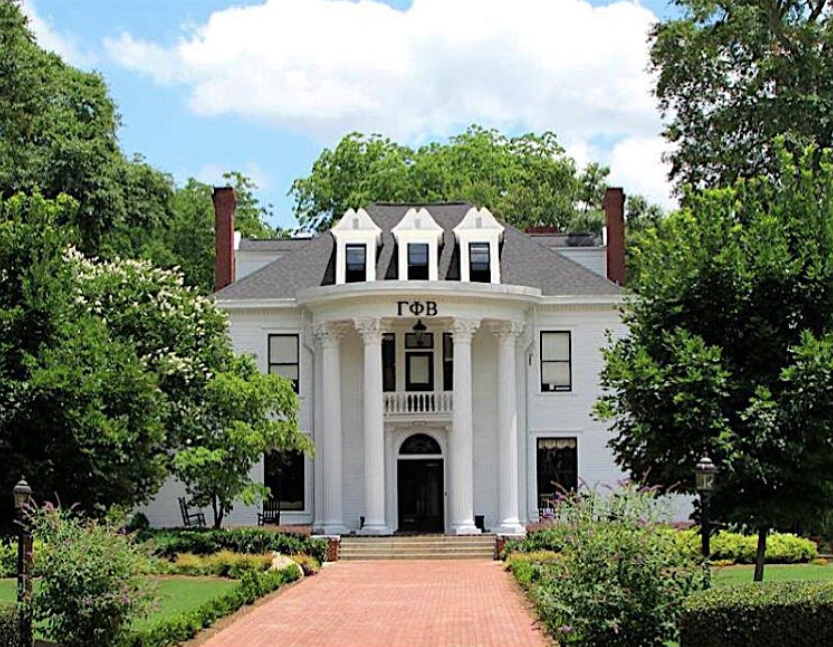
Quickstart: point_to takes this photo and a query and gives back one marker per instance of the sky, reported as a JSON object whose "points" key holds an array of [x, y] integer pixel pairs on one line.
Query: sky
{"points": [[262, 86]]}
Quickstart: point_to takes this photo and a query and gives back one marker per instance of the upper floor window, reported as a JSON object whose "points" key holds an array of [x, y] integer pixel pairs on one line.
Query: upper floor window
{"points": [[556, 360], [356, 260], [389, 362], [283, 357], [480, 267], [418, 261]]}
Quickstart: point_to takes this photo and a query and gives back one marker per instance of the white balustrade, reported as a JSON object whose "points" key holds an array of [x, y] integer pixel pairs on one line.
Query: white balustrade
{"points": [[418, 402]]}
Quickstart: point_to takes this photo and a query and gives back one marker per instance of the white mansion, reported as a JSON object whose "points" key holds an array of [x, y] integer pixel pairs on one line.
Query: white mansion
{"points": [[446, 364]]}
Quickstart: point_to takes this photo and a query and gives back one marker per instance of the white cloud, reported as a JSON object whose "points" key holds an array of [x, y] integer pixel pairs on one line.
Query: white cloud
{"points": [[52, 40], [325, 67], [636, 164]]}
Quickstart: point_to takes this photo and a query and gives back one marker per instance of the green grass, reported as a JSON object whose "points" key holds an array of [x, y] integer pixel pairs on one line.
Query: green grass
{"points": [[728, 575], [176, 595]]}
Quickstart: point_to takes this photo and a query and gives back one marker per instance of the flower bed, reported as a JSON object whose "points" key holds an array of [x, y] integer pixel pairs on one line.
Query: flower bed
{"points": [[254, 541]]}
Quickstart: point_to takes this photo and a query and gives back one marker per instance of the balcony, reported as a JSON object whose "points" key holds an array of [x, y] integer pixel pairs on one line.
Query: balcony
{"points": [[419, 403]]}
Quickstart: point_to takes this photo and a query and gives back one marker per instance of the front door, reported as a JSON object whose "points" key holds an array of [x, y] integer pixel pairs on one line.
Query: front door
{"points": [[420, 488]]}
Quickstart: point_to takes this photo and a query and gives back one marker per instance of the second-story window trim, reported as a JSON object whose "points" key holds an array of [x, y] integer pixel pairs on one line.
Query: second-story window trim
{"points": [[355, 259], [556, 350], [284, 358], [418, 259]]}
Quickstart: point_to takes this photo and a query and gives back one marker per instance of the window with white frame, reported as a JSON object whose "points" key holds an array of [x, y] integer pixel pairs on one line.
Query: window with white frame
{"points": [[556, 361], [356, 259], [283, 474], [283, 358], [557, 468], [418, 261], [480, 266]]}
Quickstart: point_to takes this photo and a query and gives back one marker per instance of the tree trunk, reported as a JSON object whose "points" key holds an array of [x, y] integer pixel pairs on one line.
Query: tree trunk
{"points": [[760, 557], [218, 514]]}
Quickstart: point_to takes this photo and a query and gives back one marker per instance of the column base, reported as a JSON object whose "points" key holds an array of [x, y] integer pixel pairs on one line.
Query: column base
{"points": [[511, 528], [465, 529], [332, 529]]}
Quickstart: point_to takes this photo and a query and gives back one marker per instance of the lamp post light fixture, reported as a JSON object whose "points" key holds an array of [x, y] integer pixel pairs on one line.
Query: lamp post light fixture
{"points": [[705, 474], [22, 499], [420, 330]]}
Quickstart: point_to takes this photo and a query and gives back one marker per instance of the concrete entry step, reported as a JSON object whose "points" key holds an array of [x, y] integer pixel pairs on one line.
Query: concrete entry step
{"points": [[418, 547]]}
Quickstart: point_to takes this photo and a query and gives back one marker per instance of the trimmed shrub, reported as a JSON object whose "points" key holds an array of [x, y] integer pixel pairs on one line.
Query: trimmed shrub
{"points": [[771, 614], [308, 563], [528, 567], [255, 541], [782, 548], [172, 631], [9, 625], [620, 578]]}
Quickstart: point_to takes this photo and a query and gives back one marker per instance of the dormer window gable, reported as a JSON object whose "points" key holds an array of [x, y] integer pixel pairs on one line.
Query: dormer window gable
{"points": [[418, 238], [478, 236], [357, 240]]}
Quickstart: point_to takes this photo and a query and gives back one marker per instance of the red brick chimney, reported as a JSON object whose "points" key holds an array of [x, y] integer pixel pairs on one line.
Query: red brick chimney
{"points": [[224, 203], [614, 207]]}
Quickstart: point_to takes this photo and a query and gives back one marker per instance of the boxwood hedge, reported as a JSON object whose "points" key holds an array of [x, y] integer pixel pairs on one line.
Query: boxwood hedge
{"points": [[773, 614], [182, 627], [9, 625]]}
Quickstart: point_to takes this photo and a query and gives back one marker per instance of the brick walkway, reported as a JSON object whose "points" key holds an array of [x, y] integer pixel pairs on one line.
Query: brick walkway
{"points": [[392, 604]]}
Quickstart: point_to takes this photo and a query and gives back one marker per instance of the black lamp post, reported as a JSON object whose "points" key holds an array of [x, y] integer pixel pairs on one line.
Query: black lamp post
{"points": [[22, 499], [705, 473]]}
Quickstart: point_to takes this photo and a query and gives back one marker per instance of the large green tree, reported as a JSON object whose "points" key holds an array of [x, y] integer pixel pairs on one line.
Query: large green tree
{"points": [[109, 367], [527, 180], [730, 351], [732, 75], [58, 134]]}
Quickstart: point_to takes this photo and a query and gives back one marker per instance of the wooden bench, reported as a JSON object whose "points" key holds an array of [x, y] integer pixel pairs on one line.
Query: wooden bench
{"points": [[190, 519]]}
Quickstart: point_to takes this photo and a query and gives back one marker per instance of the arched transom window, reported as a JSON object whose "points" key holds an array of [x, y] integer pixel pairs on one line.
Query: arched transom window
{"points": [[421, 444]]}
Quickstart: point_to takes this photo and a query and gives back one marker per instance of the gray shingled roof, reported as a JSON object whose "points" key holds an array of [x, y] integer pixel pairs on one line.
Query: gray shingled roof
{"points": [[272, 244], [567, 240], [523, 261]]}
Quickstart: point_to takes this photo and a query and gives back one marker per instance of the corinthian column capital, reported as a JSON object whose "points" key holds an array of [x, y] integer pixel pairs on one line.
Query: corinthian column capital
{"points": [[371, 329], [329, 333], [507, 328], [464, 329]]}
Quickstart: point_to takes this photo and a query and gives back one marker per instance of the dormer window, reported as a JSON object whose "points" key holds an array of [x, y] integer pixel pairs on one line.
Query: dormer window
{"points": [[478, 238], [418, 261], [480, 267], [418, 238], [356, 260], [357, 240]]}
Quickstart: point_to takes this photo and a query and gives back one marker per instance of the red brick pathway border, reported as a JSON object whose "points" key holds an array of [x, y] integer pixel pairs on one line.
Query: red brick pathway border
{"points": [[392, 604]]}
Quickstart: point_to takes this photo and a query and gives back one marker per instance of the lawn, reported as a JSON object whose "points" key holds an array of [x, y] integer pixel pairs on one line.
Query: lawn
{"points": [[728, 575], [176, 594]]}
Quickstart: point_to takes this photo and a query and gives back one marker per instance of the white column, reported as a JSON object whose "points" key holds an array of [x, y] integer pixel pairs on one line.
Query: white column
{"points": [[462, 451], [507, 333], [374, 429], [329, 462]]}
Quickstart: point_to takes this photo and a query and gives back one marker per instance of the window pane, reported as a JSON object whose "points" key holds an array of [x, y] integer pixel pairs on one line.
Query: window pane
{"points": [[448, 362], [284, 476], [479, 255], [555, 346], [420, 369], [389, 362], [556, 373], [557, 468], [283, 349], [423, 340], [417, 254], [356, 255], [289, 371]]}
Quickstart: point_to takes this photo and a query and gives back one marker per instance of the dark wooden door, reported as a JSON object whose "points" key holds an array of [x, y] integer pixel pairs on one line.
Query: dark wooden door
{"points": [[420, 490]]}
